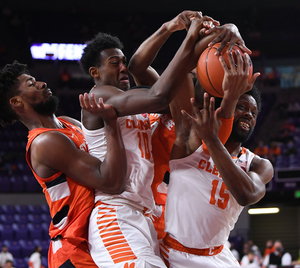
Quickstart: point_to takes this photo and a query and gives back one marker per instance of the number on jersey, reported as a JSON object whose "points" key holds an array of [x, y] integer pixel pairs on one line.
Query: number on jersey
{"points": [[144, 145], [222, 197]]}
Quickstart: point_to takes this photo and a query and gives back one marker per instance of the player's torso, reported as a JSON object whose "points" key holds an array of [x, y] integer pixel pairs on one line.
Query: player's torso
{"points": [[69, 203], [136, 134], [198, 198]]}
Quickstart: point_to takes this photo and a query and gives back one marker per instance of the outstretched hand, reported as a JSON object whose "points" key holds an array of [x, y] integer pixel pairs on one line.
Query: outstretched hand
{"points": [[207, 121], [236, 76], [228, 33], [182, 21], [105, 111]]}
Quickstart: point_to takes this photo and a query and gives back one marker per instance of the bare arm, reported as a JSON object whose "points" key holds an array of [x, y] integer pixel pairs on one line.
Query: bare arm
{"points": [[246, 187], [235, 83], [53, 151], [139, 64], [141, 100]]}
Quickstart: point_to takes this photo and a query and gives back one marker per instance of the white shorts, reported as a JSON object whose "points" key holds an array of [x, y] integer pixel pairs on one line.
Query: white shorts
{"points": [[120, 235], [178, 259]]}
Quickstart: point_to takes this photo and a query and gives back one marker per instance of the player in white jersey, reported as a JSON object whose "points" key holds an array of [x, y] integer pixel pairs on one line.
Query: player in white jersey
{"points": [[120, 234], [144, 74], [214, 186]]}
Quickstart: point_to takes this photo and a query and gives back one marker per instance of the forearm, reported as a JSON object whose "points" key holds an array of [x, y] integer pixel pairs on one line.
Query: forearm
{"points": [[238, 182], [114, 166], [147, 51], [228, 105], [172, 78]]}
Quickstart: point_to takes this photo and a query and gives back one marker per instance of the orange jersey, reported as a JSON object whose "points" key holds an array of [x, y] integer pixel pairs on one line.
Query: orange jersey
{"points": [[70, 204], [163, 137]]}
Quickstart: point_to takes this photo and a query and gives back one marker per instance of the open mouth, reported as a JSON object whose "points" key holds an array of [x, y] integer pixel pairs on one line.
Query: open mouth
{"points": [[244, 125]]}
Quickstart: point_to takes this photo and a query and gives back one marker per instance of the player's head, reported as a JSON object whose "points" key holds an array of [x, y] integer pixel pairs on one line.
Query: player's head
{"points": [[245, 116], [104, 60], [19, 90], [9, 84]]}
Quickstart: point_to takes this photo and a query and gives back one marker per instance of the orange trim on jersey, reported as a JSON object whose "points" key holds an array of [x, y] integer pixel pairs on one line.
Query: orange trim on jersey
{"points": [[165, 254], [111, 234], [173, 243]]}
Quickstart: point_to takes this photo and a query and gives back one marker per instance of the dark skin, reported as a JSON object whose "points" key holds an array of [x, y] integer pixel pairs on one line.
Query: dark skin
{"points": [[234, 83], [112, 83], [251, 187], [246, 187], [53, 151]]}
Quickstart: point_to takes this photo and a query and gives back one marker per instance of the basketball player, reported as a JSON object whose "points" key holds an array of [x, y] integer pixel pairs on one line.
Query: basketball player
{"points": [[143, 74], [163, 127], [119, 233], [58, 157], [208, 190], [136, 239]]}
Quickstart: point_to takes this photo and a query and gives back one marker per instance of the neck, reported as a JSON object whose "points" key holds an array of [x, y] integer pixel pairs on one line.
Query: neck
{"points": [[43, 122], [233, 147]]}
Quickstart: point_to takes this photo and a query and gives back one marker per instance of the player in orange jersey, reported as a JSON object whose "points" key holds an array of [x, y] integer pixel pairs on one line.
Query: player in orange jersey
{"points": [[58, 156]]}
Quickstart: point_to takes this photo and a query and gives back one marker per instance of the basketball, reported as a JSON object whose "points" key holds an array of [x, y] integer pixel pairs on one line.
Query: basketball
{"points": [[210, 72]]}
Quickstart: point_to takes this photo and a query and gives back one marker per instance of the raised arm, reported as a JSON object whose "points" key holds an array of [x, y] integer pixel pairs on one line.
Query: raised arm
{"points": [[235, 83], [139, 64], [142, 100], [246, 187], [53, 151]]}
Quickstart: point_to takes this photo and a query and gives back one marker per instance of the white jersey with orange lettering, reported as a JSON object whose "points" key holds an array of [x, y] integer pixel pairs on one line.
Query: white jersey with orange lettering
{"points": [[136, 134], [120, 234], [200, 211]]}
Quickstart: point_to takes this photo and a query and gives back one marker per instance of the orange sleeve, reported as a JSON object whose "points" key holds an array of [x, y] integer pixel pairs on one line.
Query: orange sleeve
{"points": [[224, 132]]}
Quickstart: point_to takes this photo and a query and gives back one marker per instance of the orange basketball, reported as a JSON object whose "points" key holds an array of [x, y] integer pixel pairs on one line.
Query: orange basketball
{"points": [[210, 72]]}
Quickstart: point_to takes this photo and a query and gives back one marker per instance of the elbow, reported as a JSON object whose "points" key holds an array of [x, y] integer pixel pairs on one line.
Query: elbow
{"points": [[132, 67], [115, 188], [250, 198], [161, 102]]}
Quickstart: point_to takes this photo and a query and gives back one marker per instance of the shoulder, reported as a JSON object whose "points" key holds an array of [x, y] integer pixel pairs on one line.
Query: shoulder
{"points": [[49, 141], [70, 120], [263, 168]]}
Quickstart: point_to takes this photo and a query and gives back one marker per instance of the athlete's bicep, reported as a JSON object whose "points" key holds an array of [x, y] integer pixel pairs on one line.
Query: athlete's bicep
{"points": [[134, 101], [53, 151], [146, 78], [262, 169]]}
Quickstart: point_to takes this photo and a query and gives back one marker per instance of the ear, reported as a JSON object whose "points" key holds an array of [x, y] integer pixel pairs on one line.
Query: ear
{"points": [[16, 102], [95, 73]]}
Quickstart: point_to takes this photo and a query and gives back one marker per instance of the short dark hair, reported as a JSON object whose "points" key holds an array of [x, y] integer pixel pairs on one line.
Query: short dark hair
{"points": [[91, 53], [9, 88], [255, 93]]}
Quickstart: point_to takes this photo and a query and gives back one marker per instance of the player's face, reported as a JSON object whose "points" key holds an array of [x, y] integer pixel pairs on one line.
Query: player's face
{"points": [[113, 69], [37, 95], [244, 118]]}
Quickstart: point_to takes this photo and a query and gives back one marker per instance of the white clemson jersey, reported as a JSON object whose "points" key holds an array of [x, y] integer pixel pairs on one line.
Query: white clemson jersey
{"points": [[200, 211], [136, 133]]}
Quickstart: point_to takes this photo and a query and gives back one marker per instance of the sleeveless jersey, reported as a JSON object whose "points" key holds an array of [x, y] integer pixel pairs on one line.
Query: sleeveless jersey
{"points": [[136, 134], [163, 137], [200, 211], [70, 204]]}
